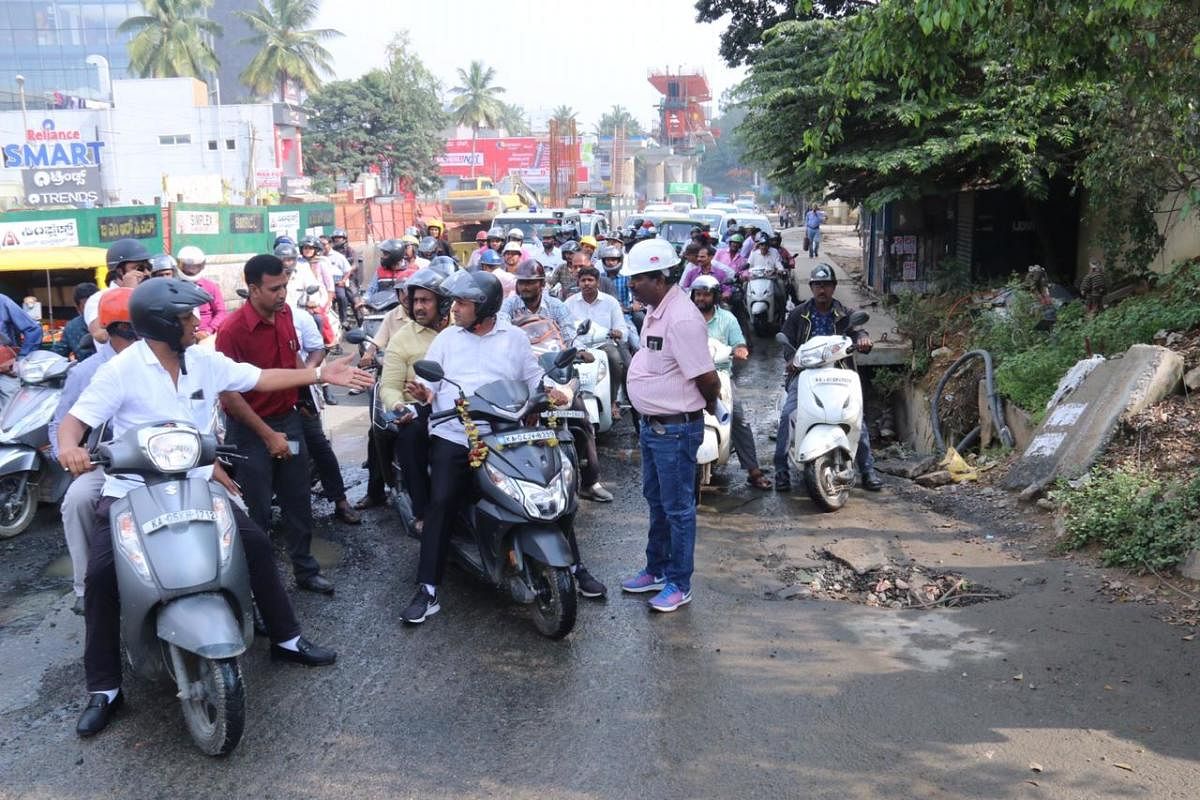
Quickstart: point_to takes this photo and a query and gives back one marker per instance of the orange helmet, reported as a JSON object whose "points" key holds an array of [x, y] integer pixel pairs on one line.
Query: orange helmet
{"points": [[8, 357], [114, 306]]}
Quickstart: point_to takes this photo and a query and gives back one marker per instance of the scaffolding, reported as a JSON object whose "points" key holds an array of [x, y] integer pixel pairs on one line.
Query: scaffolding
{"points": [[564, 146]]}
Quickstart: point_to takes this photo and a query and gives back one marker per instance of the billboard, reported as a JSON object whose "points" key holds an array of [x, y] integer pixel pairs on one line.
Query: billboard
{"points": [[525, 156]]}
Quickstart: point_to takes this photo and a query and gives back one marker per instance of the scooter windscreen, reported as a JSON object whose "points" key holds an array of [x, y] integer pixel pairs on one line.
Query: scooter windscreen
{"points": [[29, 409], [510, 396]]}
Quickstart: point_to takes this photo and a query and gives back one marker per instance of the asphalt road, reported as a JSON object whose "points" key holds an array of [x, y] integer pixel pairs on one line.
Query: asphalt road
{"points": [[736, 695]]}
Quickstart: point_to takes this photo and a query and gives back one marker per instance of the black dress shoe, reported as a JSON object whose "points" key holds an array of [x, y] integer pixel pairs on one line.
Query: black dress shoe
{"points": [[316, 583], [871, 480], [97, 714], [306, 653]]}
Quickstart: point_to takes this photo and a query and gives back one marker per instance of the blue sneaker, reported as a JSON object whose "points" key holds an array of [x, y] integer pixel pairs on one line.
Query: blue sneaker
{"points": [[643, 582], [670, 598]]}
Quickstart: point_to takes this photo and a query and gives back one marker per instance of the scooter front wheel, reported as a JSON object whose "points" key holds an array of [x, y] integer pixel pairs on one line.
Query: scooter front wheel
{"points": [[821, 484], [554, 609], [16, 512], [215, 709]]}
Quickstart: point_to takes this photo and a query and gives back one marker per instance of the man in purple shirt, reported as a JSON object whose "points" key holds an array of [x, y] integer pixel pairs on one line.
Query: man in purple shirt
{"points": [[671, 381]]}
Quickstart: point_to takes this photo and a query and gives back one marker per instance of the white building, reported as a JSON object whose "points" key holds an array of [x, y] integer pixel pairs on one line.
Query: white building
{"points": [[161, 141]]}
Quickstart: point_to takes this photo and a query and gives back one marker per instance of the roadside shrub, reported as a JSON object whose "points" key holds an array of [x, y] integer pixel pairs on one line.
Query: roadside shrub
{"points": [[1138, 521]]}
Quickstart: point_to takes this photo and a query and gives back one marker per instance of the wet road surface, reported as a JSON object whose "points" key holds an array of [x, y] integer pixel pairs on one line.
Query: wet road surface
{"points": [[736, 695]]}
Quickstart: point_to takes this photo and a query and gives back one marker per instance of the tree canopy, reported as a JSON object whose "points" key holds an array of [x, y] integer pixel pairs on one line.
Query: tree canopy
{"points": [[389, 118], [905, 98], [615, 117], [172, 39], [288, 50], [749, 19]]}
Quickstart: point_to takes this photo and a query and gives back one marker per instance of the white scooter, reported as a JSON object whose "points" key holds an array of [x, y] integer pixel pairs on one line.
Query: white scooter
{"points": [[825, 427], [718, 435], [595, 381], [762, 299]]}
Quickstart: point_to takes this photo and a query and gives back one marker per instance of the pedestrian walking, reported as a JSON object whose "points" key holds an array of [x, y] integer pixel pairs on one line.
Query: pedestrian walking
{"points": [[671, 381], [1093, 287], [812, 230]]}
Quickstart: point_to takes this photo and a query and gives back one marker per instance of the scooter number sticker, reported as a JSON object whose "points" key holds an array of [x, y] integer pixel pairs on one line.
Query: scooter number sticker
{"points": [[170, 518], [569, 413], [528, 436]]}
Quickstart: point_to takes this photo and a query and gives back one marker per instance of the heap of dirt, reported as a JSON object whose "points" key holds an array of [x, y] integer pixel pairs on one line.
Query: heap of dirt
{"points": [[1164, 439]]}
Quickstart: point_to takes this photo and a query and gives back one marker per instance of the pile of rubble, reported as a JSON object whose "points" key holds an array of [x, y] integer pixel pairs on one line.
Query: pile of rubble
{"points": [[929, 471], [889, 585]]}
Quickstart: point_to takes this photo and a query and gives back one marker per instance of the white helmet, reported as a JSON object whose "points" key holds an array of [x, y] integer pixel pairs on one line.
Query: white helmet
{"points": [[705, 283], [650, 255], [191, 261]]}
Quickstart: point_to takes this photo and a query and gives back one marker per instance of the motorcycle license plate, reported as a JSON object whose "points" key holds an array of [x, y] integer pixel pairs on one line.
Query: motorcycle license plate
{"points": [[526, 436], [186, 515], [570, 413]]}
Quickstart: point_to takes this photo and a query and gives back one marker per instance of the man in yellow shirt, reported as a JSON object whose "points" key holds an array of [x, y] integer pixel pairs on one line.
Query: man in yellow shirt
{"points": [[428, 309]]}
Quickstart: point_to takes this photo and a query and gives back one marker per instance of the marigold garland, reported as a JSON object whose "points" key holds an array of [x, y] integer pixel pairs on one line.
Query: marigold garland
{"points": [[477, 451]]}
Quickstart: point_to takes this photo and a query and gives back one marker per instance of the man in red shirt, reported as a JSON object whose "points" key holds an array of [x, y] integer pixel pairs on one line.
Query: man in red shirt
{"points": [[266, 426]]}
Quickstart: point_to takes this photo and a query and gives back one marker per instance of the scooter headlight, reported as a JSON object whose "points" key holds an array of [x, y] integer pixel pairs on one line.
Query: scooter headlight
{"points": [[544, 502], [174, 450], [130, 545], [225, 528], [504, 483], [601, 367]]}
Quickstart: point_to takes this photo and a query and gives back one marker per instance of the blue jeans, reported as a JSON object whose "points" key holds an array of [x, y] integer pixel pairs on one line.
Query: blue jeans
{"points": [[814, 241], [863, 458], [668, 484]]}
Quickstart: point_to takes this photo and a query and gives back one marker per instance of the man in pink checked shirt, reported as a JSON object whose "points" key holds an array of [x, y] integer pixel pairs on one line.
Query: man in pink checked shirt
{"points": [[731, 256]]}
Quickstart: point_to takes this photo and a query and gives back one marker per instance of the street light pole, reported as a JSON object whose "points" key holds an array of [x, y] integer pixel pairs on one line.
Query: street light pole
{"points": [[21, 92]]}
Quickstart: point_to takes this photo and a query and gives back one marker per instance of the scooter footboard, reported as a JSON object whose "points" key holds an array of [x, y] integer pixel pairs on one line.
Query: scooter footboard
{"points": [[821, 439], [203, 624], [545, 544], [710, 446]]}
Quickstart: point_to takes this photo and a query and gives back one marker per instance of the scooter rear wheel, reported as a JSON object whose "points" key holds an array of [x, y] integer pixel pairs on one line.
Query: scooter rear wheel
{"points": [[216, 712], [818, 479], [554, 609], [16, 514]]}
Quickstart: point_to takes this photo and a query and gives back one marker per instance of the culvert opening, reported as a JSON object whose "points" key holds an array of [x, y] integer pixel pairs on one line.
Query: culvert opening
{"points": [[890, 585]]}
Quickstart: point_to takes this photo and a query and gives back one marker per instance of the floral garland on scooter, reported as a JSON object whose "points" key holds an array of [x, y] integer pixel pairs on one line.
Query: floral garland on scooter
{"points": [[477, 449]]}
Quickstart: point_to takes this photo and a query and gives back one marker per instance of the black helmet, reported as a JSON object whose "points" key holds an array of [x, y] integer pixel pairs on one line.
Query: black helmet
{"points": [[338, 232], [286, 250], [311, 241], [157, 304], [390, 252], [496, 232], [443, 265], [530, 270], [822, 273], [429, 280], [427, 247], [569, 247], [282, 240], [124, 250], [481, 288]]}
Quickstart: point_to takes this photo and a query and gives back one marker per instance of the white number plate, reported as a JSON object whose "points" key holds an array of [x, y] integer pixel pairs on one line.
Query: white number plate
{"points": [[570, 413], [526, 436], [187, 515]]}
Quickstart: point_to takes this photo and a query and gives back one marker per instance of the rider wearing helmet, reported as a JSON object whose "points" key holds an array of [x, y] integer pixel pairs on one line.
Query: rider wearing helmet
{"points": [[495, 240], [705, 292], [146, 384], [341, 243], [550, 256], [437, 229], [427, 249], [192, 262], [80, 499], [482, 346], [493, 263], [821, 315], [532, 300], [731, 255], [393, 266], [128, 263], [163, 265], [428, 311]]}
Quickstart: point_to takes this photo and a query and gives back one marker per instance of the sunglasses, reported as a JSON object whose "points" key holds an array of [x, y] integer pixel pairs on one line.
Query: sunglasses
{"points": [[140, 266]]}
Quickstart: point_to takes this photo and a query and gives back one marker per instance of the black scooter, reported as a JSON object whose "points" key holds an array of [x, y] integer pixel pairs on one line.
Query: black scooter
{"points": [[513, 532]]}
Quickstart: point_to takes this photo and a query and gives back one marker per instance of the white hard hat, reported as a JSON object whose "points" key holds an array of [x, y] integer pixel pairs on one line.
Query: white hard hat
{"points": [[191, 254], [513, 247], [705, 283], [651, 255]]}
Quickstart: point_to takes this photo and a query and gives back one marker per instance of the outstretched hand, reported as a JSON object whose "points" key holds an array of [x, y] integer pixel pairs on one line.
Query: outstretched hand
{"points": [[341, 372]]}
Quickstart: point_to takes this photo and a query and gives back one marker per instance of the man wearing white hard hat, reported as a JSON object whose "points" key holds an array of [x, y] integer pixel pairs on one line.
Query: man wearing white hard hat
{"points": [[671, 380]]}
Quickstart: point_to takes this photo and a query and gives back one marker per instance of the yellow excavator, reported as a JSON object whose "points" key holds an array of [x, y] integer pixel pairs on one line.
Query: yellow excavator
{"points": [[476, 201]]}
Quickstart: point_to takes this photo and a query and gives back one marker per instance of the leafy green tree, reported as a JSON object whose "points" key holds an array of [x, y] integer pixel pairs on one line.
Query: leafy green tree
{"points": [[749, 19], [172, 39], [515, 120], [563, 115], [615, 117], [478, 104], [723, 165], [390, 118], [288, 50]]}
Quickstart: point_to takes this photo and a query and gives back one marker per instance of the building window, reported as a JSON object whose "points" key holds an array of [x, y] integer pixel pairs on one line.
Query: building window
{"points": [[177, 138], [230, 144], [212, 144]]}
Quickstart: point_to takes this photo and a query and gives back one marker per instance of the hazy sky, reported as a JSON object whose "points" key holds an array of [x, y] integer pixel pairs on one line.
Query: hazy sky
{"points": [[588, 55]]}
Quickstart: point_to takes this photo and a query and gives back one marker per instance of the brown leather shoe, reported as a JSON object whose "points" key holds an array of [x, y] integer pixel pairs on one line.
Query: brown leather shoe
{"points": [[346, 514], [370, 501]]}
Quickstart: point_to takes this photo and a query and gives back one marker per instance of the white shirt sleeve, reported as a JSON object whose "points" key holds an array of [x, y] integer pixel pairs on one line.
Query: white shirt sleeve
{"points": [[229, 375], [101, 398], [91, 308], [307, 331]]}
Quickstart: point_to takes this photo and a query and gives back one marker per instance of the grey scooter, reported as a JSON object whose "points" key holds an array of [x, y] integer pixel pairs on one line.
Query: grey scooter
{"points": [[182, 576]]}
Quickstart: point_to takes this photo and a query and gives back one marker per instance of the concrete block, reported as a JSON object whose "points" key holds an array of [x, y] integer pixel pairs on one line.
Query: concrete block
{"points": [[932, 480], [1158, 380], [1191, 379], [1190, 568]]}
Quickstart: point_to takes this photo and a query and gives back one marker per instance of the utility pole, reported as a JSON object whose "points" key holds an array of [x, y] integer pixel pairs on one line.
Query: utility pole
{"points": [[251, 188]]}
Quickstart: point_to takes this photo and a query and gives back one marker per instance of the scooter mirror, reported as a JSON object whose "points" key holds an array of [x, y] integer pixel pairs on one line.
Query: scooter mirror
{"points": [[859, 318], [312, 289], [782, 338], [244, 294], [564, 358], [356, 336], [429, 370], [584, 327]]}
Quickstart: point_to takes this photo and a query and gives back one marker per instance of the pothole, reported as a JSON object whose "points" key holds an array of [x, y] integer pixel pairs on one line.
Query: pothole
{"points": [[888, 585]]}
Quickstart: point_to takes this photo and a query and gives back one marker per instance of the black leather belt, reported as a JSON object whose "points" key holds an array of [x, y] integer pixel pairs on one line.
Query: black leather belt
{"points": [[676, 419]]}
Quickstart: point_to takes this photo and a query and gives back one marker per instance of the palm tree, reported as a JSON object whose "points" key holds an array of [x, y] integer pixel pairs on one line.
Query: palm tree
{"points": [[287, 49], [563, 115], [173, 39], [515, 120], [618, 116], [478, 104]]}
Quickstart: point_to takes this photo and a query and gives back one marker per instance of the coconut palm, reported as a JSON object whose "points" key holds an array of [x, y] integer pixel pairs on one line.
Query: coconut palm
{"points": [[563, 115], [478, 104], [172, 39], [288, 50], [618, 116], [515, 120]]}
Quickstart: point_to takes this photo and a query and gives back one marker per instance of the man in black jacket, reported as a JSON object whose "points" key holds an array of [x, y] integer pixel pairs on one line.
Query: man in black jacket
{"points": [[820, 316]]}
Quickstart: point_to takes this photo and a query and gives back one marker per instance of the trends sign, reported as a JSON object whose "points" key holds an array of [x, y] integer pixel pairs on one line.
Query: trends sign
{"points": [[49, 147]]}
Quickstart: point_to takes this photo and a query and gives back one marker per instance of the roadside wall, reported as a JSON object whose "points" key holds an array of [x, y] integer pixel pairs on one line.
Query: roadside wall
{"points": [[1182, 237]]}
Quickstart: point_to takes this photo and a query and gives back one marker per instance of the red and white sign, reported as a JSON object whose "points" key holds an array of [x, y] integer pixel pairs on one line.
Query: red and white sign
{"points": [[497, 158]]}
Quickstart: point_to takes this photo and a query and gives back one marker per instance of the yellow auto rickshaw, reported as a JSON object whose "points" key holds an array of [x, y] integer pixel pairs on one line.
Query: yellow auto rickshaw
{"points": [[49, 275]]}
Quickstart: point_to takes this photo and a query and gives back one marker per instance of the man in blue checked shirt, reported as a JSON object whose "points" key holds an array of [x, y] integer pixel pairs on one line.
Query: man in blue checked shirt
{"points": [[20, 330]]}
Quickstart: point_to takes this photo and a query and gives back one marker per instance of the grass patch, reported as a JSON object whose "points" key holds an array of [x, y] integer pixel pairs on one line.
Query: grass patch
{"points": [[1137, 520]]}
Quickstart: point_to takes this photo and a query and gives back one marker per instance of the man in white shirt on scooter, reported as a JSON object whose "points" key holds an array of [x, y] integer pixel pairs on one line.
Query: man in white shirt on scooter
{"points": [[604, 311]]}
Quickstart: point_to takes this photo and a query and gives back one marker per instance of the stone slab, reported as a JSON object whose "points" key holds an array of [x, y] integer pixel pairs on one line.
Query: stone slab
{"points": [[861, 555]]}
